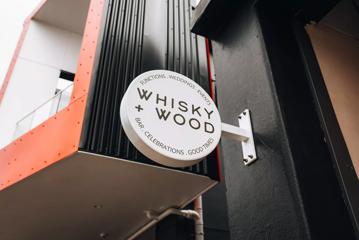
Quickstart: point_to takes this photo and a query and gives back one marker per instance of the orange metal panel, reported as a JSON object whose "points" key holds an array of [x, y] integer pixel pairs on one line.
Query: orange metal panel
{"points": [[59, 136], [88, 49], [48, 143]]}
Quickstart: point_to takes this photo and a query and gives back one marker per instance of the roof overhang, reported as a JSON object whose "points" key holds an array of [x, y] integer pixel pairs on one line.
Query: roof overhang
{"points": [[210, 16], [65, 14], [86, 194]]}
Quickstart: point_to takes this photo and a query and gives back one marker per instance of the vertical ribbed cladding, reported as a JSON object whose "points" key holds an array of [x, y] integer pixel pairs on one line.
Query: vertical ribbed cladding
{"points": [[140, 35]]}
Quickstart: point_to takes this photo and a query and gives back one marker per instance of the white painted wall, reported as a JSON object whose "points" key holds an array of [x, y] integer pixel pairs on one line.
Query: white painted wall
{"points": [[45, 52], [51, 46], [12, 17]]}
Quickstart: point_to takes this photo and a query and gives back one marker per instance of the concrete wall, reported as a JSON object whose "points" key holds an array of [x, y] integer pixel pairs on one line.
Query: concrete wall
{"points": [[45, 52]]}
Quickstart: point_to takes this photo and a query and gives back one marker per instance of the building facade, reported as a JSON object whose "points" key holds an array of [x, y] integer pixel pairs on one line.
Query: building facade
{"points": [[68, 170]]}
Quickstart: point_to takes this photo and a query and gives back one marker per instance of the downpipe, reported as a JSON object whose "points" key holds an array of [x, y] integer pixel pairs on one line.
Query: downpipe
{"points": [[196, 215], [199, 232]]}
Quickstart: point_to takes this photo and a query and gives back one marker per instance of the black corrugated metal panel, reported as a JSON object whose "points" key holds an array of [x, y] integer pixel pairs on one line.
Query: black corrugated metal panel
{"points": [[140, 35]]}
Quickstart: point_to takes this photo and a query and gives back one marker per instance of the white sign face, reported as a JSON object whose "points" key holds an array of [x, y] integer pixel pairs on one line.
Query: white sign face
{"points": [[170, 118]]}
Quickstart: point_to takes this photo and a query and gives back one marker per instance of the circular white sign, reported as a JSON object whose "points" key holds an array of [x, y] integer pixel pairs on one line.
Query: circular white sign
{"points": [[170, 118]]}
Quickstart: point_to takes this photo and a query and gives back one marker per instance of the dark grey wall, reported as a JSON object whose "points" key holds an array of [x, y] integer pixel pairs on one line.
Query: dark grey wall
{"points": [[292, 191], [261, 202], [215, 213]]}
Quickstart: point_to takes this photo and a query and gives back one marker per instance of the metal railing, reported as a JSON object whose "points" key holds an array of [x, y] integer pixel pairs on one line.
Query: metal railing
{"points": [[43, 112]]}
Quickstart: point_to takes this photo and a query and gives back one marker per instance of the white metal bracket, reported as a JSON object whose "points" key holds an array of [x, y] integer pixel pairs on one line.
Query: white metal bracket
{"points": [[244, 134]]}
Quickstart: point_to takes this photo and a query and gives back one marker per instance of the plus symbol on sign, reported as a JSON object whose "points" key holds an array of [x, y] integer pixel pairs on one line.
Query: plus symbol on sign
{"points": [[139, 108]]}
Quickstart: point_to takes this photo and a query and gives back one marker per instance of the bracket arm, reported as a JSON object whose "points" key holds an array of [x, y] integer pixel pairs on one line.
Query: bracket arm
{"points": [[234, 133]]}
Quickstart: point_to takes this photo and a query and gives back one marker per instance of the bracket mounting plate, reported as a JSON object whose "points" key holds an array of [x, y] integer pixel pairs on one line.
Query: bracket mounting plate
{"points": [[248, 147], [244, 134]]}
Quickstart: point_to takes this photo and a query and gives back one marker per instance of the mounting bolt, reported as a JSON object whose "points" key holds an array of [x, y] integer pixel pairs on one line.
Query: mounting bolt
{"points": [[98, 206], [245, 160], [103, 235], [250, 156]]}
